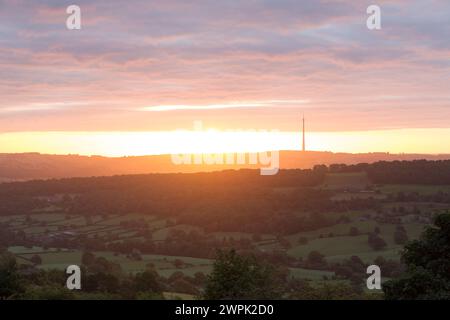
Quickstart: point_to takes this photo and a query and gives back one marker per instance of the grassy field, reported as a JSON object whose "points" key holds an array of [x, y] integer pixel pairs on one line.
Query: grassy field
{"points": [[357, 195], [420, 189], [332, 246], [339, 181], [342, 246], [341, 229], [368, 256], [178, 296], [164, 265], [162, 234], [314, 275], [24, 250], [333, 242]]}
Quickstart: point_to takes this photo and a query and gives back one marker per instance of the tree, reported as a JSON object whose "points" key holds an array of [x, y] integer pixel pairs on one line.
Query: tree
{"points": [[178, 263], [200, 278], [36, 259], [316, 257], [87, 258], [428, 263], [184, 286], [353, 231], [256, 237], [47, 292], [241, 277], [400, 235], [284, 243], [302, 290], [104, 282], [376, 242], [9, 278], [147, 281]]}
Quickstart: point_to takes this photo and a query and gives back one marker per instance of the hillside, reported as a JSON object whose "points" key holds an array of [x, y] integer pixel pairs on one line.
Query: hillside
{"points": [[27, 166]]}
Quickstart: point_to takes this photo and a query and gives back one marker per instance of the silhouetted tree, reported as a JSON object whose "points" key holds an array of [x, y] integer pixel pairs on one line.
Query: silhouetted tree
{"points": [[376, 242], [400, 235], [9, 277], [240, 277], [428, 265], [353, 231]]}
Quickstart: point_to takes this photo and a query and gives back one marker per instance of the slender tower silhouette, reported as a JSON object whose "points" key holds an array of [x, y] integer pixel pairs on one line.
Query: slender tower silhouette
{"points": [[303, 145]]}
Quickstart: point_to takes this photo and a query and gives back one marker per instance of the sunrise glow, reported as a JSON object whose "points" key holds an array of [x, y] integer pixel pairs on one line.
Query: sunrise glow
{"points": [[211, 141]]}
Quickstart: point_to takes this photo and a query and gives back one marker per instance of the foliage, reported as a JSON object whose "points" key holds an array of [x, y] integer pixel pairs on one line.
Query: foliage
{"points": [[9, 277], [400, 235], [428, 265], [302, 290], [376, 242], [241, 277], [47, 292]]}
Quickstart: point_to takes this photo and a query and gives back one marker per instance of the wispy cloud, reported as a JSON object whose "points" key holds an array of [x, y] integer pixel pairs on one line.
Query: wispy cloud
{"points": [[42, 106], [253, 61], [255, 104]]}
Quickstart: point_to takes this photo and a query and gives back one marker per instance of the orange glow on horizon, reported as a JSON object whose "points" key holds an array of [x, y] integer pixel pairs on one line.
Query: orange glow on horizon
{"points": [[214, 141]]}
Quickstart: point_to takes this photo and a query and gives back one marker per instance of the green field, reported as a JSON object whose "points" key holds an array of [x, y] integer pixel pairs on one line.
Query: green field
{"points": [[162, 234], [420, 189], [339, 181], [357, 195], [334, 242], [313, 275], [342, 246], [164, 265]]}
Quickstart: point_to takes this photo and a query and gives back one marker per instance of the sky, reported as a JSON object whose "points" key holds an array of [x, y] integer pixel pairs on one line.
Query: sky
{"points": [[139, 70]]}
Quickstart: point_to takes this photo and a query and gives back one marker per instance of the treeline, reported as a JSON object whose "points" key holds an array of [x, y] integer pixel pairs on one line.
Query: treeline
{"points": [[219, 201], [383, 172], [100, 279], [238, 208], [399, 172], [413, 172], [234, 276], [160, 194], [170, 182]]}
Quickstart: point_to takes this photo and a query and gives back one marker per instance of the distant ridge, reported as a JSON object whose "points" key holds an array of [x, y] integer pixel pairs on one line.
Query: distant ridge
{"points": [[27, 166]]}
